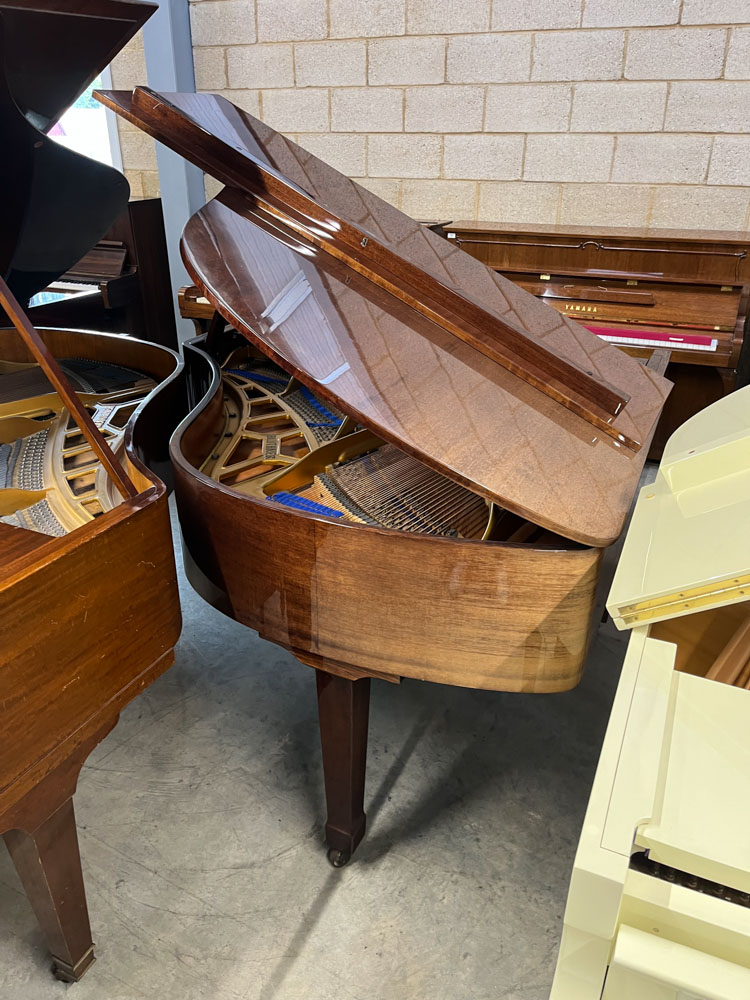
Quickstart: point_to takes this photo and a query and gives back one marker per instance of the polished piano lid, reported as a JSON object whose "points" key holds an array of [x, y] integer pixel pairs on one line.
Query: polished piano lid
{"points": [[54, 203], [688, 547], [53, 50], [404, 332]]}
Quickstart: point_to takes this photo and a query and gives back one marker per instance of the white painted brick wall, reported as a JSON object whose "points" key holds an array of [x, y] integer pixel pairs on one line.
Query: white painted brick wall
{"points": [[730, 160], [258, 66], [291, 20], [695, 207], [605, 204], [444, 109], [210, 65], [331, 64], [662, 159], [578, 55], [708, 107], [444, 17], [715, 12], [406, 60], [488, 58], [568, 157], [215, 21], [676, 54], [483, 157], [404, 155], [373, 18], [518, 201], [367, 109], [738, 56], [521, 15], [296, 110], [631, 112], [530, 108], [629, 13], [618, 107], [348, 153]]}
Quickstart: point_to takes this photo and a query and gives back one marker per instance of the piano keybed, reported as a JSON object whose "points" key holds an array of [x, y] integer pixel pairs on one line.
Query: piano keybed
{"points": [[50, 479]]}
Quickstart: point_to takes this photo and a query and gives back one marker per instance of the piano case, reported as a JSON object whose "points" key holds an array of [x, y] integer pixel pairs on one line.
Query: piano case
{"points": [[481, 391]]}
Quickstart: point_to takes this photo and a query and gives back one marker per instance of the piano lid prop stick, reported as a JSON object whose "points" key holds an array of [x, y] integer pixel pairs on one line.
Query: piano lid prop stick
{"points": [[78, 411]]}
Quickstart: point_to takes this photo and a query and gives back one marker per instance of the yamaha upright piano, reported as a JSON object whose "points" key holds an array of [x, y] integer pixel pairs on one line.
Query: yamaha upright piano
{"points": [[641, 289]]}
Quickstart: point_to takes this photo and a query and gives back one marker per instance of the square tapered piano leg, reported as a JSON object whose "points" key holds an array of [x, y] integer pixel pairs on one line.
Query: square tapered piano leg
{"points": [[343, 711], [49, 865]]}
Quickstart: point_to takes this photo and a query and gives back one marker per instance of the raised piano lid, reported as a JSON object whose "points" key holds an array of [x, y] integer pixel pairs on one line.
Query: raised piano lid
{"points": [[55, 204], [54, 50], [410, 336], [688, 547]]}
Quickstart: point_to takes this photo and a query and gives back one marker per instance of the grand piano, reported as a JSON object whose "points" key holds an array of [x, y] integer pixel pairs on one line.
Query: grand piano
{"points": [[684, 291], [398, 464], [89, 607]]}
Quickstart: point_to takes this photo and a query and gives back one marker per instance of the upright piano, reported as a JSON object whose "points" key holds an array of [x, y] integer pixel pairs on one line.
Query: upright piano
{"points": [[89, 610], [399, 464], [121, 285], [641, 289]]}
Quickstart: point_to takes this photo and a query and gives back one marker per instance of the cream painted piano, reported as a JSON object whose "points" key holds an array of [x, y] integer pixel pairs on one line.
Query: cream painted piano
{"points": [[659, 901]]}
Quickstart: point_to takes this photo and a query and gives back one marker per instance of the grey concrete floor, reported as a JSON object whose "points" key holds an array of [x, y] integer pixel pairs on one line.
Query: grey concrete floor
{"points": [[201, 818]]}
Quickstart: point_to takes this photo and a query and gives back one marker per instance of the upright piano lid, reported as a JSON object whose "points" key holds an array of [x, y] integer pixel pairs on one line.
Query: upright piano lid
{"points": [[688, 545], [404, 332]]}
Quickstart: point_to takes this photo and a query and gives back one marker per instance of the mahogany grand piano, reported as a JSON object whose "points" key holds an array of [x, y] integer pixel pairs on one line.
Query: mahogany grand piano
{"points": [[399, 464]]}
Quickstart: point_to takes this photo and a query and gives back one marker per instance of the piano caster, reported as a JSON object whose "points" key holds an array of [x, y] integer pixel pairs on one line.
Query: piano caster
{"points": [[67, 973], [337, 858]]}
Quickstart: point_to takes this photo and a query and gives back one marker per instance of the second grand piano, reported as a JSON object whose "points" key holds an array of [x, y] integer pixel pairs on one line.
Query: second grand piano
{"points": [[399, 463]]}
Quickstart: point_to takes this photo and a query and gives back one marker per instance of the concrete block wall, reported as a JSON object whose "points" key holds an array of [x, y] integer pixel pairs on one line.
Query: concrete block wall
{"points": [[138, 150], [611, 112]]}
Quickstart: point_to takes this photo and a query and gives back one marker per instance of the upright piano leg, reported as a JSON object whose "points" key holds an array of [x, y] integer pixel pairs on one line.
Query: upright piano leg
{"points": [[343, 710], [49, 865]]}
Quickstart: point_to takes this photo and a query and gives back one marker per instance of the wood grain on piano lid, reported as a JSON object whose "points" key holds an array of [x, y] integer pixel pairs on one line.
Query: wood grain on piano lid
{"points": [[414, 384], [437, 272]]}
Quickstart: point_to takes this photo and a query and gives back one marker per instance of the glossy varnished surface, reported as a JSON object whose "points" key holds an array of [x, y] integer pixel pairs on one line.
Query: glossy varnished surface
{"points": [[346, 596], [415, 385], [83, 615], [88, 621], [225, 252], [215, 135]]}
